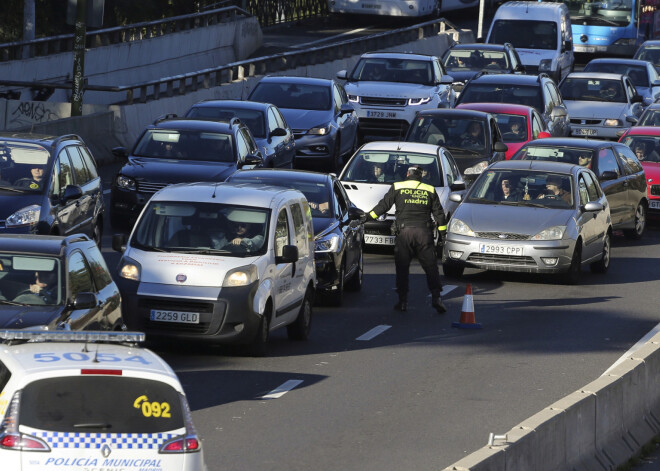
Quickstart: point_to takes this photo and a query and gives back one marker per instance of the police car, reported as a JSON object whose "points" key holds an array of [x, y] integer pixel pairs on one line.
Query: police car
{"points": [[89, 401]]}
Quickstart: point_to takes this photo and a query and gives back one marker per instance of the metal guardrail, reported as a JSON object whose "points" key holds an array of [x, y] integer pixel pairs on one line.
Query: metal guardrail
{"points": [[120, 34], [270, 12]]}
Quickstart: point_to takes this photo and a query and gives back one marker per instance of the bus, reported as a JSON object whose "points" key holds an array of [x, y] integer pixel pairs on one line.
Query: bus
{"points": [[410, 8], [611, 27]]}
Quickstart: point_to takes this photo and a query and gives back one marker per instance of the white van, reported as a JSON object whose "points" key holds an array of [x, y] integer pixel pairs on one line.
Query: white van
{"points": [[226, 263], [540, 32]]}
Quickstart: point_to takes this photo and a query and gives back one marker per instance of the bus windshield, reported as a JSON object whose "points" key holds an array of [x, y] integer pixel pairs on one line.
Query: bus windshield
{"points": [[608, 13]]}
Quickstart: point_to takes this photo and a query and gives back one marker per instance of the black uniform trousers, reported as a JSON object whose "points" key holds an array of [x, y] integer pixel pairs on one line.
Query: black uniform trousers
{"points": [[416, 242]]}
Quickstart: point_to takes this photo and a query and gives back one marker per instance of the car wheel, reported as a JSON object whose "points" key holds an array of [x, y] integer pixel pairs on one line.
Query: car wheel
{"points": [[452, 269], [355, 282], [336, 296], [572, 276], [258, 346], [640, 223], [98, 234], [299, 330], [603, 264]]}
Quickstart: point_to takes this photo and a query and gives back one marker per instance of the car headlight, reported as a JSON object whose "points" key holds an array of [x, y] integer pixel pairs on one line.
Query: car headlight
{"points": [[456, 226], [551, 233], [24, 217], [545, 65], [476, 169], [125, 183], [130, 269], [241, 276], [419, 101], [613, 122], [354, 98], [320, 130], [328, 243]]}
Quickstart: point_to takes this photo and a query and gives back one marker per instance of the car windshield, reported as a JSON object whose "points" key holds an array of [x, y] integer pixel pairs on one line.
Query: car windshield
{"points": [[616, 13], [512, 126], [637, 73], [298, 96], [529, 95], [522, 188], [650, 117], [460, 133], [393, 70], [253, 119], [525, 34], [646, 148], [24, 167], [649, 53], [570, 155], [186, 145], [592, 89], [389, 166], [459, 60], [193, 227], [31, 280]]}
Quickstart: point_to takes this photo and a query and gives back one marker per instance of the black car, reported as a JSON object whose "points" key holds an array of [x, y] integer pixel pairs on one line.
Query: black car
{"points": [[464, 61], [338, 234], [49, 185], [273, 135], [619, 173], [472, 137], [650, 116], [56, 282], [538, 91], [178, 150]]}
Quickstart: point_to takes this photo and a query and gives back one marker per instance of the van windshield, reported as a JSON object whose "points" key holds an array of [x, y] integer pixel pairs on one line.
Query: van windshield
{"points": [[525, 34], [204, 228]]}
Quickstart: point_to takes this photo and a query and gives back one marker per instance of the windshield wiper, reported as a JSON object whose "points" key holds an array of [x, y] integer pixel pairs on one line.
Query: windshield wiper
{"points": [[461, 149], [12, 303], [102, 426], [204, 251], [11, 188], [482, 201]]}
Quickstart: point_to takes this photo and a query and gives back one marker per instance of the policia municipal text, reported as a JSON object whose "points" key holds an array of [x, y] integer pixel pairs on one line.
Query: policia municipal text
{"points": [[415, 202]]}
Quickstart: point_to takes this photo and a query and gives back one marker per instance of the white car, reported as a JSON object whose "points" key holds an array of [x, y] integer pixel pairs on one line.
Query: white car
{"points": [[387, 89], [91, 400], [377, 165], [600, 105]]}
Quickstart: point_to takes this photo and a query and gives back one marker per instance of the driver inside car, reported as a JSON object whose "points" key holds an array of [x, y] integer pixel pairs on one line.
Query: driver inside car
{"points": [[238, 234], [44, 286]]}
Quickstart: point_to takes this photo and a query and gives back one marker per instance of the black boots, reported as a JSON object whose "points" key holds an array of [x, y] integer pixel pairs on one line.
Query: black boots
{"points": [[402, 305], [436, 302]]}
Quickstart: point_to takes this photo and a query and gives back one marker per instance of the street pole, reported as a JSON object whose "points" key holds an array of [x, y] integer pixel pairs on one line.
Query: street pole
{"points": [[79, 58], [481, 20]]}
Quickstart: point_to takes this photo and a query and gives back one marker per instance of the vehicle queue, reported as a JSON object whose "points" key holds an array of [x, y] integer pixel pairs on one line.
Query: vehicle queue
{"points": [[550, 216]]}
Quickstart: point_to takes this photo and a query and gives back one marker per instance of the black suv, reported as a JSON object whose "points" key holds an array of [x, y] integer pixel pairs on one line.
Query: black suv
{"points": [[56, 282], [178, 150], [464, 61], [49, 185], [538, 91]]}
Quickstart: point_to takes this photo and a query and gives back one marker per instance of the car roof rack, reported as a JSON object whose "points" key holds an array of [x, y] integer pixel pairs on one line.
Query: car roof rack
{"points": [[164, 117], [68, 240], [12, 336]]}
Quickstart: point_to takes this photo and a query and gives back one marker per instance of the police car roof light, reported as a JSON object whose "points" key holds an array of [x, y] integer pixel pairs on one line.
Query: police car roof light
{"points": [[68, 336], [90, 371]]}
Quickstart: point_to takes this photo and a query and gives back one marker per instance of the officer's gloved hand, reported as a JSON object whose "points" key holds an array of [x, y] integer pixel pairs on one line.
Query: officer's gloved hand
{"points": [[442, 234], [364, 218]]}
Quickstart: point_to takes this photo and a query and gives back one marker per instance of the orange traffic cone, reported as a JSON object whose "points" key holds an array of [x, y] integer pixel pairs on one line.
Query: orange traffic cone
{"points": [[467, 312]]}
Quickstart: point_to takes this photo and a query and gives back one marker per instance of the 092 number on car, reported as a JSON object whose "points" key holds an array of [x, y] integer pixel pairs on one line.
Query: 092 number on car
{"points": [[152, 409]]}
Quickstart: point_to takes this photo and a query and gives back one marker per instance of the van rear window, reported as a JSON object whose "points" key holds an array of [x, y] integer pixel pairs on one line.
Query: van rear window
{"points": [[110, 404]]}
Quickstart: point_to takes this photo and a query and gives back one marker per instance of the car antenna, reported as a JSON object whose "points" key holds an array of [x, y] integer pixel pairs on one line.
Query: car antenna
{"points": [[215, 187]]}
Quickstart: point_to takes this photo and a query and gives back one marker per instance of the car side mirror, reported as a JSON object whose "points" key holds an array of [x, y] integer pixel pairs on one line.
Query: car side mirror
{"points": [[500, 147], [71, 192], [568, 45], [446, 80], [458, 185], [84, 300], [278, 132], [608, 175], [593, 207], [455, 197], [631, 119], [346, 108], [342, 75], [120, 152], [252, 159], [119, 242], [544, 135], [289, 254], [355, 213], [636, 99], [558, 112]]}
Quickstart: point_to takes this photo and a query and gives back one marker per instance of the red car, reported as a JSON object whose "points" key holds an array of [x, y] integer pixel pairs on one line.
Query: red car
{"points": [[518, 124], [645, 143]]}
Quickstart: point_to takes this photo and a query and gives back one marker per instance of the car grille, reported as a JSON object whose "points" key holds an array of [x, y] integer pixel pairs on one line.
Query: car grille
{"points": [[584, 122], [144, 186], [398, 126], [655, 191], [502, 259], [182, 306], [381, 101], [502, 236]]}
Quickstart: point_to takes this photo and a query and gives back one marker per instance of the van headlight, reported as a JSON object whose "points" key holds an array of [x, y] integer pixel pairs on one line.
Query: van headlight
{"points": [[456, 226], [328, 243], [130, 269], [613, 122], [419, 101], [24, 217], [125, 183], [551, 233], [241, 276], [354, 98], [545, 65]]}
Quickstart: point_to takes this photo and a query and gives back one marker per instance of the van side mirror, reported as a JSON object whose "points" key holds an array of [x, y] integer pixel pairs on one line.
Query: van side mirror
{"points": [[289, 254], [84, 300], [119, 242], [342, 75], [71, 192], [568, 45]]}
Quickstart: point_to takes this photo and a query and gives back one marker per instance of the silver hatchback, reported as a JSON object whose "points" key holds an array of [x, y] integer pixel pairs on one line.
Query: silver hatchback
{"points": [[533, 217]]}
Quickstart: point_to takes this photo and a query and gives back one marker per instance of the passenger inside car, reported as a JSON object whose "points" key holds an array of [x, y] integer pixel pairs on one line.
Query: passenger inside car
{"points": [[319, 204], [641, 150], [510, 191], [584, 159], [554, 189]]}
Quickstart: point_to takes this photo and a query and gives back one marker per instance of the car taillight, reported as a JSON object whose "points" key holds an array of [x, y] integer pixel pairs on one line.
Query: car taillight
{"points": [[181, 445], [22, 442]]}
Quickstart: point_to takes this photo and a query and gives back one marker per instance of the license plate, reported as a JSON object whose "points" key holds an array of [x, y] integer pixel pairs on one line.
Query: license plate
{"points": [[588, 49], [654, 204], [175, 316], [584, 132], [381, 114], [378, 239], [500, 249]]}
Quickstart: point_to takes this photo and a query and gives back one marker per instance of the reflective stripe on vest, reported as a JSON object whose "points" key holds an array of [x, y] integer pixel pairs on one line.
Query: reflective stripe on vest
{"points": [[413, 185]]}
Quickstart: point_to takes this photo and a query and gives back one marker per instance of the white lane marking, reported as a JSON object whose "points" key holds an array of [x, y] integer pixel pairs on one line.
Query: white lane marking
{"points": [[283, 389], [379, 329], [447, 289], [107, 192], [632, 349], [330, 38]]}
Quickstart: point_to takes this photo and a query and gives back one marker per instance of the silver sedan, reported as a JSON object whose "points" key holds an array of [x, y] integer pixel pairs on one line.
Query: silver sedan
{"points": [[534, 217]]}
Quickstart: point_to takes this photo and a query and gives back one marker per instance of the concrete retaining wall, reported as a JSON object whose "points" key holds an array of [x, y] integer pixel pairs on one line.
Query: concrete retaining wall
{"points": [[596, 428]]}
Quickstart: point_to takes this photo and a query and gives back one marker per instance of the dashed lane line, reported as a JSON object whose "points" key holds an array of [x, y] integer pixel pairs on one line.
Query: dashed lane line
{"points": [[283, 389], [379, 329]]}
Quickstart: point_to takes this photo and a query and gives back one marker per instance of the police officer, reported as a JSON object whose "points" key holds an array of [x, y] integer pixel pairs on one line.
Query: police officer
{"points": [[415, 202]]}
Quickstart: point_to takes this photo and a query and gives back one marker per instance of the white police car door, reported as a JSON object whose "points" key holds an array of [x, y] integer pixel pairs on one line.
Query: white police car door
{"points": [[285, 291]]}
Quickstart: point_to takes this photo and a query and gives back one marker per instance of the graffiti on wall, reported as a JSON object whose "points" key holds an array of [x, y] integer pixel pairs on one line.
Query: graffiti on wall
{"points": [[24, 113]]}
